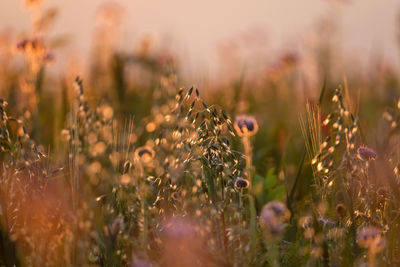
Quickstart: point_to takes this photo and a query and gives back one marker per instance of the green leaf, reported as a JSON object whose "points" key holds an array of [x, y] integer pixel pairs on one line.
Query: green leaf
{"points": [[278, 193], [270, 180]]}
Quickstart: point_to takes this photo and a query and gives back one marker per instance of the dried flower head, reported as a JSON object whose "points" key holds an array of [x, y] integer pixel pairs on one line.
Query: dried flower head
{"points": [[145, 154], [366, 154], [242, 183], [370, 237], [245, 125], [341, 210], [273, 216]]}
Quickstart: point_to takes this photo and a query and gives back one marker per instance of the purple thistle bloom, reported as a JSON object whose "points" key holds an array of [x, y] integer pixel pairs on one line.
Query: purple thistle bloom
{"points": [[242, 183], [273, 216], [366, 153], [245, 126]]}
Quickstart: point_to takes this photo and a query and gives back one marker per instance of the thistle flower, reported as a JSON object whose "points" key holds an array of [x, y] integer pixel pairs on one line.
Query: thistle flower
{"points": [[366, 153], [145, 154], [242, 183], [245, 126], [370, 237], [273, 216]]}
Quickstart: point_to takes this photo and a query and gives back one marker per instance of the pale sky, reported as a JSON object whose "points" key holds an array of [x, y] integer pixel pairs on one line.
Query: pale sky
{"points": [[195, 29]]}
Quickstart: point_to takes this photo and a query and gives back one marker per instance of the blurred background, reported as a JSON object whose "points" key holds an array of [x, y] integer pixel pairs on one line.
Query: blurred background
{"points": [[202, 33]]}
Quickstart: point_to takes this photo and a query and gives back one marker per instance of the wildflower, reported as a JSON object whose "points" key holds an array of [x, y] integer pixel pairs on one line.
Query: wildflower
{"points": [[242, 183], [273, 216], [325, 222], [245, 126], [366, 153], [370, 237], [340, 210], [145, 154]]}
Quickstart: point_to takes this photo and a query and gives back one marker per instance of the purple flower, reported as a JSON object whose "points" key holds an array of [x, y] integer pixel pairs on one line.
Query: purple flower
{"points": [[370, 237], [273, 216], [245, 125], [366, 153], [242, 183]]}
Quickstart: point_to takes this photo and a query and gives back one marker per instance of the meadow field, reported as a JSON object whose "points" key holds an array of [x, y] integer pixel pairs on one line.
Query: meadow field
{"points": [[122, 162]]}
